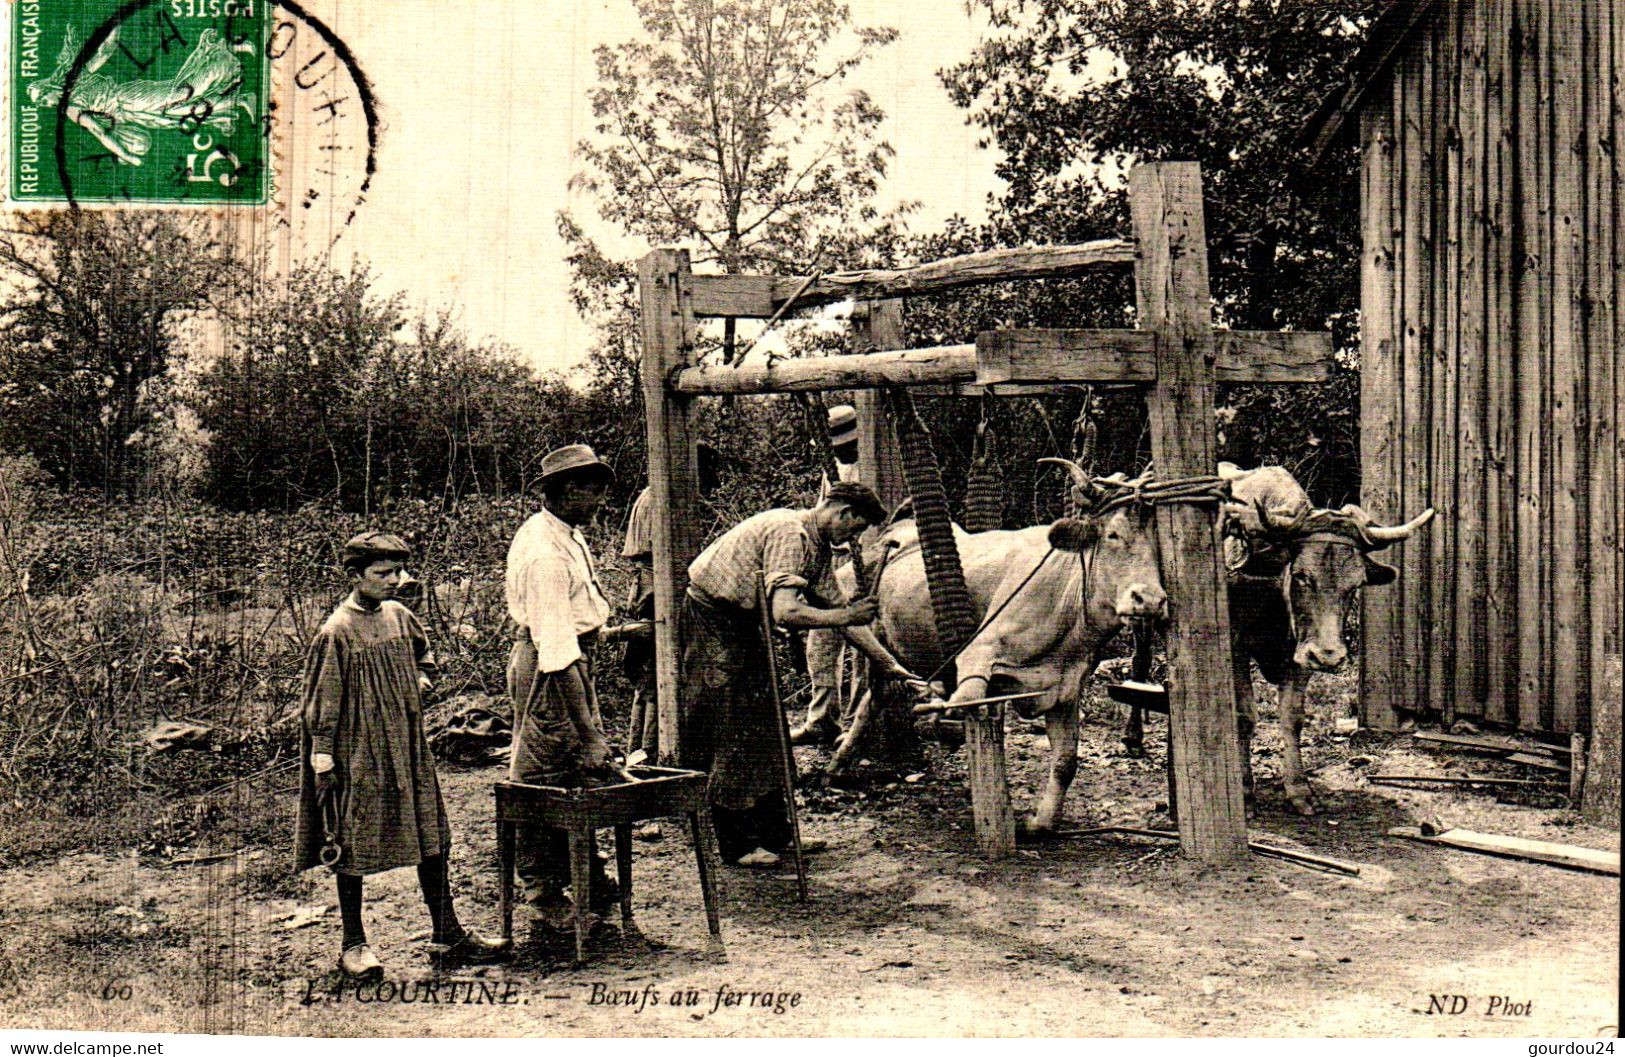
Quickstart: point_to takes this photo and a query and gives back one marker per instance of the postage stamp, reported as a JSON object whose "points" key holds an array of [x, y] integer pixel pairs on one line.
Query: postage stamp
{"points": [[156, 101]]}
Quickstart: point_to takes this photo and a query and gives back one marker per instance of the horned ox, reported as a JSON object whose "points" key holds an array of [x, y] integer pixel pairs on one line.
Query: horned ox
{"points": [[1047, 627], [1292, 572]]}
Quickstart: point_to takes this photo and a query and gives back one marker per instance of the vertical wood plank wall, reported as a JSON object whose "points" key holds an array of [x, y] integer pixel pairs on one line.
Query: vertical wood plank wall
{"points": [[1493, 340]]}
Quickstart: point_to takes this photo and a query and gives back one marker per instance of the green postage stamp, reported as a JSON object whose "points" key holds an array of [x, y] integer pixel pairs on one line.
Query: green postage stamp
{"points": [[162, 101]]}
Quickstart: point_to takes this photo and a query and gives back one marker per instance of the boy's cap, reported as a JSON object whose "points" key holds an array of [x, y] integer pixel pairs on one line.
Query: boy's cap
{"points": [[571, 458], [376, 546], [843, 424]]}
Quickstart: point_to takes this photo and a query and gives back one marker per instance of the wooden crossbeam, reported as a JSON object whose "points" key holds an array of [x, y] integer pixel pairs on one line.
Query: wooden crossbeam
{"points": [[1056, 355], [761, 296], [1026, 361]]}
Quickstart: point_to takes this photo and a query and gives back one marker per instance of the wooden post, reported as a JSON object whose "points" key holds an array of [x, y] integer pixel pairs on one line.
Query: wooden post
{"points": [[877, 326], [674, 488], [1171, 287], [991, 813]]}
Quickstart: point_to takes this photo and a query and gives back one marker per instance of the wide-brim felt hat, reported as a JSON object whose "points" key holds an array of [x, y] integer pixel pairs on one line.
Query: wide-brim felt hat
{"points": [[573, 458], [376, 546], [843, 424]]}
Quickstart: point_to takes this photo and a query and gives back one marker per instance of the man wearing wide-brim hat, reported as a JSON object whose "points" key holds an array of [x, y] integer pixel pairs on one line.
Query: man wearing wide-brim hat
{"points": [[554, 595]]}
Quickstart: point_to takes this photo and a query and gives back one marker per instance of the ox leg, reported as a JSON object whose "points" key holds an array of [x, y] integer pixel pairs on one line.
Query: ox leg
{"points": [[862, 713], [1134, 732], [1061, 727], [1246, 718], [1292, 695]]}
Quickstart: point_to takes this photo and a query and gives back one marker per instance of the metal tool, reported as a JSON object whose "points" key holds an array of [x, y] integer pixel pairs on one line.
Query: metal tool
{"points": [[332, 850], [928, 707], [783, 725]]}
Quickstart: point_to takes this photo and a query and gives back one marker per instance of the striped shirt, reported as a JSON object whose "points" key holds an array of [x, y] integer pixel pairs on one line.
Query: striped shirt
{"points": [[553, 591], [784, 544]]}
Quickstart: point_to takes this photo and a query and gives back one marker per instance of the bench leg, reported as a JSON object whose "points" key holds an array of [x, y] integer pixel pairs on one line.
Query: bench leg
{"points": [[623, 869], [707, 858], [506, 856], [580, 879]]}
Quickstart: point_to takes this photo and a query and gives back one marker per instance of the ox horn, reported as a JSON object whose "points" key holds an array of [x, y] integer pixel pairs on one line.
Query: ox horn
{"points": [[1383, 535], [1086, 492], [1380, 536]]}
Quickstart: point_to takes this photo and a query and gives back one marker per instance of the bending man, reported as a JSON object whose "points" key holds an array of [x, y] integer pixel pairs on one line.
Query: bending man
{"points": [[728, 721]]}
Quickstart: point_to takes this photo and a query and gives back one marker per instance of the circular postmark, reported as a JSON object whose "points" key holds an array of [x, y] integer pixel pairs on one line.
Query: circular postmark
{"points": [[205, 102]]}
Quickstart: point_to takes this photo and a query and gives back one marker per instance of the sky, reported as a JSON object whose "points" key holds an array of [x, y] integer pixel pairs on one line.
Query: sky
{"points": [[484, 101]]}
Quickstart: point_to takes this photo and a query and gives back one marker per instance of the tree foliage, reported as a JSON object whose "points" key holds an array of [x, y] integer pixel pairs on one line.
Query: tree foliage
{"points": [[90, 333], [725, 127], [721, 127], [1072, 92], [338, 392]]}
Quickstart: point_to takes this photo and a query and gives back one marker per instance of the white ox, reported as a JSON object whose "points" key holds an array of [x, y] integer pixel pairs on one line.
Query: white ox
{"points": [[1044, 629]]}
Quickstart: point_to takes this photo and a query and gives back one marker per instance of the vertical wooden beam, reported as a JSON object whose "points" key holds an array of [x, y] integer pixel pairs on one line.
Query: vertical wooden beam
{"points": [[1532, 265], [1500, 510], [1568, 380], [877, 326], [1171, 290], [1617, 120], [674, 489], [1415, 328], [1469, 579], [1379, 398], [1601, 203], [1442, 397]]}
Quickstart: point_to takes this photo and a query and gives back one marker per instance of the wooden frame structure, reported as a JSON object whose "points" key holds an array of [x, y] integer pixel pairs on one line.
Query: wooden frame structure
{"points": [[1177, 353]]}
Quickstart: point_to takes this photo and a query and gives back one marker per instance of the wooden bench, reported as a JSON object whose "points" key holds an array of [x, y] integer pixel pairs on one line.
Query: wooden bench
{"points": [[661, 792]]}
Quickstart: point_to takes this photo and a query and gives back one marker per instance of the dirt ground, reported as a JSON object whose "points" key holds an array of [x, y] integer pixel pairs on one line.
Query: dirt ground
{"points": [[907, 931]]}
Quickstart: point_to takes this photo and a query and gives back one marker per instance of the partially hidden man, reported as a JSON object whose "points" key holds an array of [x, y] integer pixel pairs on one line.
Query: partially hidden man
{"points": [[367, 788], [554, 596], [728, 722]]}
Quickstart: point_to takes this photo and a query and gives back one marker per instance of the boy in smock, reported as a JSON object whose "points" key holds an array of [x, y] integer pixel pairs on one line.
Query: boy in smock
{"points": [[367, 782]]}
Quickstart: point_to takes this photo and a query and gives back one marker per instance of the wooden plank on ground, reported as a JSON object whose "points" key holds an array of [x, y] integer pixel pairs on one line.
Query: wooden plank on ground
{"points": [[1569, 855], [1172, 294], [760, 296], [1488, 743], [1540, 763]]}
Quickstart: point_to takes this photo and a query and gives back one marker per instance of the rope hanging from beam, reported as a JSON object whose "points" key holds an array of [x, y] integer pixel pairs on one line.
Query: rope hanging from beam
{"points": [[985, 484]]}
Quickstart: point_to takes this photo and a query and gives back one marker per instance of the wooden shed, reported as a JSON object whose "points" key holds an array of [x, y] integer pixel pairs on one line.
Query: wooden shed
{"points": [[1493, 343]]}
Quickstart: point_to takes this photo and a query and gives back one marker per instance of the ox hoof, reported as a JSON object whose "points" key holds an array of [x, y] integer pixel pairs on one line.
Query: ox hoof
{"points": [[1302, 804], [1134, 750], [1029, 831]]}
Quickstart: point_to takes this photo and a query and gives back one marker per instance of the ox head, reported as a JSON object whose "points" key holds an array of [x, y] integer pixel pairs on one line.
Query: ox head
{"points": [[1327, 554], [1118, 538]]}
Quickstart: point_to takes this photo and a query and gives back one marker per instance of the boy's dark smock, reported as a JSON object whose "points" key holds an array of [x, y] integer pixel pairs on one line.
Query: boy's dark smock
{"points": [[362, 707]]}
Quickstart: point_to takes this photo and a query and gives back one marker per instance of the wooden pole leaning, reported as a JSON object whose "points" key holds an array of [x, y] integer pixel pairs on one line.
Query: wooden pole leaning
{"points": [[782, 726]]}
